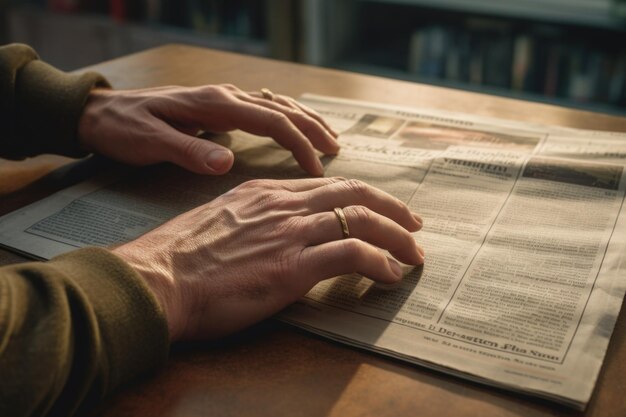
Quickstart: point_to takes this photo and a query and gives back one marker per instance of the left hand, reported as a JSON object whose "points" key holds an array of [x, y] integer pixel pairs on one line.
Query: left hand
{"points": [[142, 127]]}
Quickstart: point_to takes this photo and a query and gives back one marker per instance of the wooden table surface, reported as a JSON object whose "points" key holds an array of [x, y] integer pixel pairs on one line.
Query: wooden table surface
{"points": [[274, 369]]}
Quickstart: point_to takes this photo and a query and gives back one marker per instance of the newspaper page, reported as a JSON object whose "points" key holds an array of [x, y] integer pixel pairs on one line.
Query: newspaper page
{"points": [[524, 232]]}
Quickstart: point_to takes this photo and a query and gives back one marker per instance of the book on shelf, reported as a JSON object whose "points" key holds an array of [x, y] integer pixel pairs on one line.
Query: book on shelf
{"points": [[497, 60], [524, 230], [428, 51], [522, 61], [538, 61], [617, 89]]}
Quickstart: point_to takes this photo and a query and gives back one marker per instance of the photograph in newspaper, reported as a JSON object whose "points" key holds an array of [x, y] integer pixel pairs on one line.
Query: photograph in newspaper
{"points": [[581, 173], [438, 136]]}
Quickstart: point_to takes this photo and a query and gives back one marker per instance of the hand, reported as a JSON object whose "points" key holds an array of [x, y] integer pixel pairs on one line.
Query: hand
{"points": [[263, 245], [143, 127]]}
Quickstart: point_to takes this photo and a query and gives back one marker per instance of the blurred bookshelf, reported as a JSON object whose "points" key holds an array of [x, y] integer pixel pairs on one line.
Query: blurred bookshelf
{"points": [[74, 33], [565, 52]]}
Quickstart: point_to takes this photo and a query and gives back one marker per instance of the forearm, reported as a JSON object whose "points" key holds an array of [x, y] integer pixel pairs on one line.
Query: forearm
{"points": [[40, 106], [72, 330]]}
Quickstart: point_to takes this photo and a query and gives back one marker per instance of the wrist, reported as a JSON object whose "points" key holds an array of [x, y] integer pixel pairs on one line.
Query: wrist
{"points": [[90, 117], [161, 283]]}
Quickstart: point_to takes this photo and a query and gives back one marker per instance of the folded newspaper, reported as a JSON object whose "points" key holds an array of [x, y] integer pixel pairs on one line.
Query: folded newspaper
{"points": [[524, 231]]}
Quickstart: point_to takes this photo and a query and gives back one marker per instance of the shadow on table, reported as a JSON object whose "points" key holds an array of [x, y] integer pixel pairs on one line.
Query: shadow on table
{"points": [[62, 177], [273, 369]]}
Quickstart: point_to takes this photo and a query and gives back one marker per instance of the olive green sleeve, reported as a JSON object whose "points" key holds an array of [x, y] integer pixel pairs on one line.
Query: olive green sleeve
{"points": [[72, 330], [39, 105]]}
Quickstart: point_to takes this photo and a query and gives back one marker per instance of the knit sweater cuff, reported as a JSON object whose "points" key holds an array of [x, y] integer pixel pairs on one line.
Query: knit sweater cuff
{"points": [[49, 105], [131, 323]]}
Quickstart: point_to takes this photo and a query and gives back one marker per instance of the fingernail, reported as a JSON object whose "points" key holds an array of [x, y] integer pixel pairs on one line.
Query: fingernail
{"points": [[218, 159], [418, 219], [395, 267], [421, 252]]}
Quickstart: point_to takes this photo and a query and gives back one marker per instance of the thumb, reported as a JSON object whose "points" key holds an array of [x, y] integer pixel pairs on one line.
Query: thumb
{"points": [[199, 155]]}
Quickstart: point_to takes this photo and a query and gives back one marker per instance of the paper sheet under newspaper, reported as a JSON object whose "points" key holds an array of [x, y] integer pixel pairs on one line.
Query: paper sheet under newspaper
{"points": [[524, 232]]}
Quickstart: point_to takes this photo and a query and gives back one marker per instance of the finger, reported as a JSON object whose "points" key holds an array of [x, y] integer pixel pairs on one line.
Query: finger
{"points": [[260, 120], [288, 101], [319, 136], [353, 192], [194, 154], [346, 257], [313, 114], [366, 225]]}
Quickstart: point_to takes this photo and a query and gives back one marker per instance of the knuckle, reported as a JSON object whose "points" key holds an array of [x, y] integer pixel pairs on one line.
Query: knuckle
{"points": [[229, 87], [307, 124], [252, 188], [331, 180], [292, 226], [210, 93], [352, 248], [277, 124], [357, 187], [360, 214], [295, 202], [268, 197], [262, 184], [270, 200], [256, 183], [284, 101], [278, 119], [209, 89], [190, 149]]}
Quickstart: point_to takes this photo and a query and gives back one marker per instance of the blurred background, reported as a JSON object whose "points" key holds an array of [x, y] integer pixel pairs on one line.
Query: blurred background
{"points": [[566, 52]]}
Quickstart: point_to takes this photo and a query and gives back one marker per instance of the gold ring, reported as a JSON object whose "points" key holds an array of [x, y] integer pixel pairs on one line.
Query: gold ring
{"points": [[344, 223], [267, 94]]}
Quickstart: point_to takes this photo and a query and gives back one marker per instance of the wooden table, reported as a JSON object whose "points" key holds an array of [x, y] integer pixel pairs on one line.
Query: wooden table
{"points": [[276, 370]]}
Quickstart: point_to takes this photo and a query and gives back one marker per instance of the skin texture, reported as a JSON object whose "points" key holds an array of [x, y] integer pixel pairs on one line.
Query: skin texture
{"points": [[160, 125], [261, 246]]}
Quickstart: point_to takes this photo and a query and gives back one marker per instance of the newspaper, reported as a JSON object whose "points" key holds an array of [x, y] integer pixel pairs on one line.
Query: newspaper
{"points": [[524, 232]]}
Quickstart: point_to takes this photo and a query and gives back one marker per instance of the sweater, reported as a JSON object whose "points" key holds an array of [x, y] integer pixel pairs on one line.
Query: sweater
{"points": [[77, 327]]}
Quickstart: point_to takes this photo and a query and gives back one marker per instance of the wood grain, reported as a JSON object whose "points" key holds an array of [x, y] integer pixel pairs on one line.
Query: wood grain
{"points": [[276, 370]]}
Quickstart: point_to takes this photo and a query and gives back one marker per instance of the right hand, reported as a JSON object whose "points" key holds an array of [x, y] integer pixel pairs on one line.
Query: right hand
{"points": [[261, 246]]}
